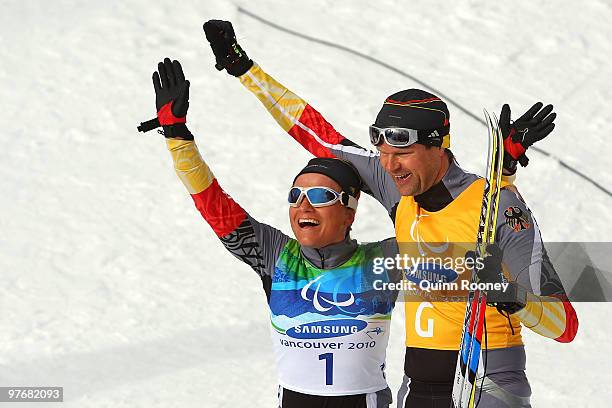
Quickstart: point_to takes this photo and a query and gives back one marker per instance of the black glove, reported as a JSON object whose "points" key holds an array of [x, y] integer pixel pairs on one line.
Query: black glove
{"points": [[229, 55], [172, 99], [532, 126], [508, 301]]}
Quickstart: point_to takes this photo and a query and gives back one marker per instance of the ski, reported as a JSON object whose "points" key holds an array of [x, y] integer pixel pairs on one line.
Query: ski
{"points": [[469, 359]]}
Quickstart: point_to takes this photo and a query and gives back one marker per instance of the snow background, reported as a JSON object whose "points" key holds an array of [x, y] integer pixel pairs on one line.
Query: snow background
{"points": [[111, 284]]}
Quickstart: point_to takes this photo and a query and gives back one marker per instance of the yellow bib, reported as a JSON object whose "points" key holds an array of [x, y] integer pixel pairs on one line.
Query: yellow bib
{"points": [[445, 235]]}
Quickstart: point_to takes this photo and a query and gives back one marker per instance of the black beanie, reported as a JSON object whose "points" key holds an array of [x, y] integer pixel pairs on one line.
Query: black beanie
{"points": [[420, 110], [342, 172]]}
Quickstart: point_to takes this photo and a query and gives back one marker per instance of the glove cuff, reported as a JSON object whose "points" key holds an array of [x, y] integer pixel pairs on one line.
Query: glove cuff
{"points": [[178, 131], [513, 299], [510, 165], [239, 67]]}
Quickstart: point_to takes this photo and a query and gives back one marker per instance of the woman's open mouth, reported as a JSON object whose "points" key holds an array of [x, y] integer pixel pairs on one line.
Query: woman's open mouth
{"points": [[308, 223]]}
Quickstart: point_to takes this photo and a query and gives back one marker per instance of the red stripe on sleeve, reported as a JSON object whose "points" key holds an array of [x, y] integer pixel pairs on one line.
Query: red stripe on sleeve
{"points": [[220, 210], [571, 324], [313, 120]]}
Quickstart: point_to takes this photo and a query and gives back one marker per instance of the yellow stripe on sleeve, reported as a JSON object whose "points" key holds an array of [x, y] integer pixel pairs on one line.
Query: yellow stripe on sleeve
{"points": [[189, 165], [544, 315], [285, 106]]}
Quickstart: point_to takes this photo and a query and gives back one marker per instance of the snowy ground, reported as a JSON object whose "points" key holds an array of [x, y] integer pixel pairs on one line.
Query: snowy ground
{"points": [[113, 287]]}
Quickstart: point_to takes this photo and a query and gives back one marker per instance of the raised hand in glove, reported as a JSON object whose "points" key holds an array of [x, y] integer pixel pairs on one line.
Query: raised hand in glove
{"points": [[532, 126], [172, 99], [229, 55], [508, 301]]}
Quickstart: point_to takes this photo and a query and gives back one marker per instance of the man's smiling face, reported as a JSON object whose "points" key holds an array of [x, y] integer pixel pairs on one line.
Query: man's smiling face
{"points": [[414, 169]]}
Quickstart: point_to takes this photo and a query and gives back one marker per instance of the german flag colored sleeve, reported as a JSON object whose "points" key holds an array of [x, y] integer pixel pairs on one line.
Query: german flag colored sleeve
{"points": [[254, 243], [221, 212], [310, 129], [549, 316]]}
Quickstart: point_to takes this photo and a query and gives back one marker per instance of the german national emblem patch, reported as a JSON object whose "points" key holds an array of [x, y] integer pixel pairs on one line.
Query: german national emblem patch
{"points": [[516, 220]]}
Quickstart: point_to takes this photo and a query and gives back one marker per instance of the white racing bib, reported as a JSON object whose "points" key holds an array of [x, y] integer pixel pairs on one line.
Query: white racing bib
{"points": [[330, 327]]}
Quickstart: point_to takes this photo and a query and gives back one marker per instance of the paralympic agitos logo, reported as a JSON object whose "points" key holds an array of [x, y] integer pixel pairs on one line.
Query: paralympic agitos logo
{"points": [[321, 303]]}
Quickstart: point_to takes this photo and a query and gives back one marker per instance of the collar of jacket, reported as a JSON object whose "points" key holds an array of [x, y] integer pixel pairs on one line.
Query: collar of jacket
{"points": [[454, 182], [331, 256]]}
